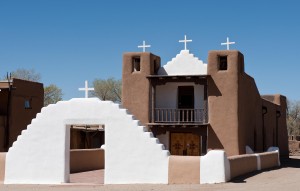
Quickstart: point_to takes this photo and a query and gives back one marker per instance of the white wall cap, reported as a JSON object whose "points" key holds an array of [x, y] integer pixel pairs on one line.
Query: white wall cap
{"points": [[214, 167]]}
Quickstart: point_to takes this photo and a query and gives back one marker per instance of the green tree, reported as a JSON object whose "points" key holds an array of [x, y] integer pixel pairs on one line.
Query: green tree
{"points": [[109, 89], [52, 94]]}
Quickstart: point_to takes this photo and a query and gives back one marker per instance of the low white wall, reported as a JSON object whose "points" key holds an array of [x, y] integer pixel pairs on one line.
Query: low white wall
{"points": [[214, 167], [242, 164], [41, 153]]}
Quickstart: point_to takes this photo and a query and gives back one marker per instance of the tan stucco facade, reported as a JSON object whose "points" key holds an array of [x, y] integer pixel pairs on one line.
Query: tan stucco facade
{"points": [[2, 166], [136, 87], [238, 116], [184, 170]]}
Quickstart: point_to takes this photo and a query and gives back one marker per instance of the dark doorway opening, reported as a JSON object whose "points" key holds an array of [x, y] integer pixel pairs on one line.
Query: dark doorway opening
{"points": [[186, 103]]}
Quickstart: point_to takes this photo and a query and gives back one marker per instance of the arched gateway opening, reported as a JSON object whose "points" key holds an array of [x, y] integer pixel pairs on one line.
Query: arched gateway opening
{"points": [[41, 153]]}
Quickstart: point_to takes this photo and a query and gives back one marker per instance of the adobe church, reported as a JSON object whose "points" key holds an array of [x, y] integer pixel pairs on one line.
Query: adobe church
{"points": [[193, 107], [212, 112]]}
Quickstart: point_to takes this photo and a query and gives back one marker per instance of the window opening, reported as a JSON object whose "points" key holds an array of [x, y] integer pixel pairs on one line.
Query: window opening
{"points": [[27, 104], [223, 63], [136, 62]]}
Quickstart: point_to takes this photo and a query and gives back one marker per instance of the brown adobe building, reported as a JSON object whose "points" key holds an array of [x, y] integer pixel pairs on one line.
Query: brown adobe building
{"points": [[191, 112], [20, 101]]}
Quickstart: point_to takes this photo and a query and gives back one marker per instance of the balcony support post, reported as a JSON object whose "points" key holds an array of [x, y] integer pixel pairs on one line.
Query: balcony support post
{"points": [[152, 102]]}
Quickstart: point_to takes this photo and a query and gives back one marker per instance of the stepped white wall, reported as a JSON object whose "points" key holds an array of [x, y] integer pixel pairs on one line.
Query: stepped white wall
{"points": [[184, 64], [41, 154]]}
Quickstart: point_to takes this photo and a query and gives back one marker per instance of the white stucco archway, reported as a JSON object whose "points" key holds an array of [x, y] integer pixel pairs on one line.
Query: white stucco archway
{"points": [[41, 153]]}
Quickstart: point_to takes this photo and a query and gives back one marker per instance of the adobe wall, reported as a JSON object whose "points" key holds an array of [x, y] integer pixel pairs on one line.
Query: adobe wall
{"points": [[184, 170], [243, 164], [135, 85], [2, 132], [250, 114], [223, 102], [3, 116], [19, 116], [86, 160], [269, 160], [2, 166], [216, 167], [276, 103], [282, 125], [236, 109], [269, 124]]}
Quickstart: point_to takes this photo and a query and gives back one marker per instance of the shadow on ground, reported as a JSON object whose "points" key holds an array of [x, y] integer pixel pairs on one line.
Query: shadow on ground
{"points": [[285, 163], [290, 163]]}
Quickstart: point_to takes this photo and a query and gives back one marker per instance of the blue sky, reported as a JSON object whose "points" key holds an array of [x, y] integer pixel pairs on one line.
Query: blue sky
{"points": [[70, 41]]}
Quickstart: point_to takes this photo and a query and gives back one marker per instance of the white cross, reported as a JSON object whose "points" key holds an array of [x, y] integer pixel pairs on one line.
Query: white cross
{"points": [[144, 46], [227, 43], [185, 41], [86, 89]]}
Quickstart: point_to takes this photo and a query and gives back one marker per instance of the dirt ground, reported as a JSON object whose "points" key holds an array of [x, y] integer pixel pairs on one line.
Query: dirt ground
{"points": [[294, 147], [285, 178]]}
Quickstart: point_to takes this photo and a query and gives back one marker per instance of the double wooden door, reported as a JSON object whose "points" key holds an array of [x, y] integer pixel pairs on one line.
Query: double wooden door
{"points": [[185, 144]]}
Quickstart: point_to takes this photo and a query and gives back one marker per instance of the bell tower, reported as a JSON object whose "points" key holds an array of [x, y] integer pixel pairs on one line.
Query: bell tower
{"points": [[135, 85]]}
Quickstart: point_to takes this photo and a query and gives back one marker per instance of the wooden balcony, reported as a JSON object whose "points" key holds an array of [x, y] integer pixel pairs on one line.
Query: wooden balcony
{"points": [[168, 115]]}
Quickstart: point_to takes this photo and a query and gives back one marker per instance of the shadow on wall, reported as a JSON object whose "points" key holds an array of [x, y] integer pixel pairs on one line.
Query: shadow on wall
{"points": [[214, 90], [213, 140], [82, 160], [162, 71]]}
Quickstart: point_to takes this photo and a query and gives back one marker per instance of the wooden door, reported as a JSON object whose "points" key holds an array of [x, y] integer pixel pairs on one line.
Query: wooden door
{"points": [[185, 144]]}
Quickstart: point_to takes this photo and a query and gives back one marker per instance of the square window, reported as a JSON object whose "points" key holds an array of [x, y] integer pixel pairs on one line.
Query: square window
{"points": [[27, 104], [222, 62], [136, 64]]}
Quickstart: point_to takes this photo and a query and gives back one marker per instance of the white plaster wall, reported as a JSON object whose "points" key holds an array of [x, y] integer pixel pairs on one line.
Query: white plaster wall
{"points": [[184, 64], [166, 95], [164, 139], [214, 167], [41, 154]]}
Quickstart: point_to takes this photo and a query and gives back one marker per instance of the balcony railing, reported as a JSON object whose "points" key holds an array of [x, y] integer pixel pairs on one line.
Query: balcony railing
{"points": [[166, 115]]}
